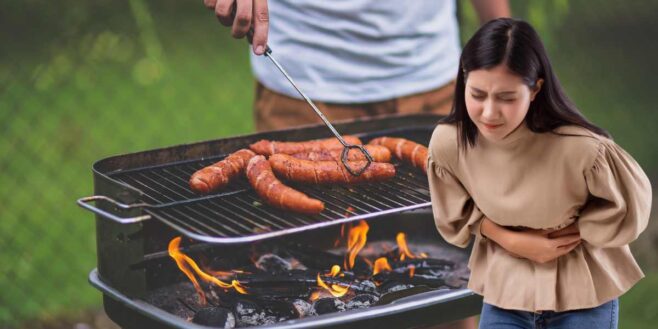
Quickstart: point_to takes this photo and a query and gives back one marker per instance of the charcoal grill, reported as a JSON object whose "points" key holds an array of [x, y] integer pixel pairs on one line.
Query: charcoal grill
{"points": [[142, 200]]}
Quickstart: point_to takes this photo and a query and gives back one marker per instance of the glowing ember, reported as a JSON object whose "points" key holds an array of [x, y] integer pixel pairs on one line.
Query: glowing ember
{"points": [[401, 238], [356, 239], [381, 264], [184, 262], [315, 295], [349, 211]]}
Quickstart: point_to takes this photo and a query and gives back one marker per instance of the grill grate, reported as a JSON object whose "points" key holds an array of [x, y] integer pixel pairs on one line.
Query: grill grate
{"points": [[237, 214]]}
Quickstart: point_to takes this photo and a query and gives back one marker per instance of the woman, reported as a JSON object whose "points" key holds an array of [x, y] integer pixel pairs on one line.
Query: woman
{"points": [[552, 200]]}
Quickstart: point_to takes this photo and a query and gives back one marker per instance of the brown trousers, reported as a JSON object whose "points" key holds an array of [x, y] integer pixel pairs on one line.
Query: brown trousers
{"points": [[276, 111]]}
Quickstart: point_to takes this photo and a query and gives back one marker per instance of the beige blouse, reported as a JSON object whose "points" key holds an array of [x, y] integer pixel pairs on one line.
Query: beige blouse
{"points": [[542, 180]]}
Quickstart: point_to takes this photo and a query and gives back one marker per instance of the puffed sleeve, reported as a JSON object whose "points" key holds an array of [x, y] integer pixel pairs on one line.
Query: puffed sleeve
{"points": [[620, 199], [455, 213]]}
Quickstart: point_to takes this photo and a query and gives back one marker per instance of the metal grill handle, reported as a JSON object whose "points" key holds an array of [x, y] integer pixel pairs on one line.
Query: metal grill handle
{"points": [[84, 203], [346, 146]]}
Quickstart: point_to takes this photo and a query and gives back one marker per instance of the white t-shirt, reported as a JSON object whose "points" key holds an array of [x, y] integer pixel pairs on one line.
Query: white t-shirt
{"points": [[357, 51]]}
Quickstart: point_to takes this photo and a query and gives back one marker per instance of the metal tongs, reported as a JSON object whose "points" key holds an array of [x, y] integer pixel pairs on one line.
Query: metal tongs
{"points": [[346, 146]]}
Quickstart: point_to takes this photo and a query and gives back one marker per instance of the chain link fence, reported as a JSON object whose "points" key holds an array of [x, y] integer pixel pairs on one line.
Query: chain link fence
{"points": [[83, 81]]}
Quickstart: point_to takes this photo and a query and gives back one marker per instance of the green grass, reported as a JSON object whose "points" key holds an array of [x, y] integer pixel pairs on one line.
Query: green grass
{"points": [[98, 95], [638, 308]]}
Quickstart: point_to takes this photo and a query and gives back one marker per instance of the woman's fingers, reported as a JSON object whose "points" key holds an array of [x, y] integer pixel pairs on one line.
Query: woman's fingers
{"points": [[261, 26], [571, 229], [563, 250], [565, 240]]}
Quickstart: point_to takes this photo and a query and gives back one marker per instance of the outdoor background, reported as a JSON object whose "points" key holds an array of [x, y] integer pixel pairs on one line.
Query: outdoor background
{"points": [[83, 80]]}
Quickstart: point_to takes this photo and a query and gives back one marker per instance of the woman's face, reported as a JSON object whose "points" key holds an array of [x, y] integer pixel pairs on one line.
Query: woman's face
{"points": [[497, 100]]}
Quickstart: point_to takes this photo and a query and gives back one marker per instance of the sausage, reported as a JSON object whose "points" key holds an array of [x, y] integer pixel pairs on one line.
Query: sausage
{"points": [[267, 148], [405, 150], [219, 174], [328, 172], [378, 153], [277, 194]]}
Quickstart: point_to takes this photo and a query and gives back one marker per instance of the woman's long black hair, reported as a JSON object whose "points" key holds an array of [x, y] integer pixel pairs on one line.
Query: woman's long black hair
{"points": [[516, 44]]}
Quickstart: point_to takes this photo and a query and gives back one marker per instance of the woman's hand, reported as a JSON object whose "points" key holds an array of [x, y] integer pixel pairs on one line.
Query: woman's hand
{"points": [[242, 15], [539, 246]]}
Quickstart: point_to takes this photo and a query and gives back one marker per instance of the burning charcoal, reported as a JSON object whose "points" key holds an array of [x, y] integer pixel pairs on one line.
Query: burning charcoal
{"points": [[362, 301], [391, 278], [296, 283], [423, 263], [321, 260], [215, 316], [282, 310], [368, 285], [392, 286], [249, 313], [175, 299], [303, 307], [328, 305], [272, 263]]}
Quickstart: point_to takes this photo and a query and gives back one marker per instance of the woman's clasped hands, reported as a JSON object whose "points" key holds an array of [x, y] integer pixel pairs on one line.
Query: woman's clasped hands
{"points": [[540, 246]]}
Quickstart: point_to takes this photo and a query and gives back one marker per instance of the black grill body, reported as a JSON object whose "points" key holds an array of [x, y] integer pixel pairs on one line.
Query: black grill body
{"points": [[132, 257]]}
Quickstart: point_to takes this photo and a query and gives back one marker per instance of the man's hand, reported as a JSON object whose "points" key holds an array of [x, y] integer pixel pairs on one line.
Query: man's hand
{"points": [[243, 15], [539, 246]]}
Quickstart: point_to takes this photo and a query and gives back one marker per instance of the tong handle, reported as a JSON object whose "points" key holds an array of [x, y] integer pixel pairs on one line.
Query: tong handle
{"points": [[346, 146]]}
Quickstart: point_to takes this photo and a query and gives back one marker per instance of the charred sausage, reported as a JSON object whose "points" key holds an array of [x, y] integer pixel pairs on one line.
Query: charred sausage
{"points": [[267, 148], [219, 174], [328, 172], [277, 194], [405, 150], [378, 153]]}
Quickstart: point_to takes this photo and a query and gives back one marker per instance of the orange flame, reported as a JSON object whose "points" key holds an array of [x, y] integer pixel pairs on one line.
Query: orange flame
{"points": [[381, 264], [183, 261], [315, 295], [182, 265], [404, 250], [412, 270], [334, 270], [335, 290], [356, 239]]}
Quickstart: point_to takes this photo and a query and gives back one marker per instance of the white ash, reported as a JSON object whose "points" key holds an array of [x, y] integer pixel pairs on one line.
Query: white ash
{"points": [[303, 307]]}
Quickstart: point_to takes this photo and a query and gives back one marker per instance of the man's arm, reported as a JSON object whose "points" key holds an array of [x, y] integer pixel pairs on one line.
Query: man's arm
{"points": [[490, 9]]}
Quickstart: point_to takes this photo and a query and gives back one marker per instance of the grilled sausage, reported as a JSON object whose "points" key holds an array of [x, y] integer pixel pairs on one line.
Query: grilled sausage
{"points": [[267, 148], [378, 153], [328, 172], [219, 174], [277, 194], [405, 150]]}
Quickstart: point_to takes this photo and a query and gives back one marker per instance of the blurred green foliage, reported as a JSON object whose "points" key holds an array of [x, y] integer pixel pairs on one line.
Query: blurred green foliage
{"points": [[80, 81]]}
